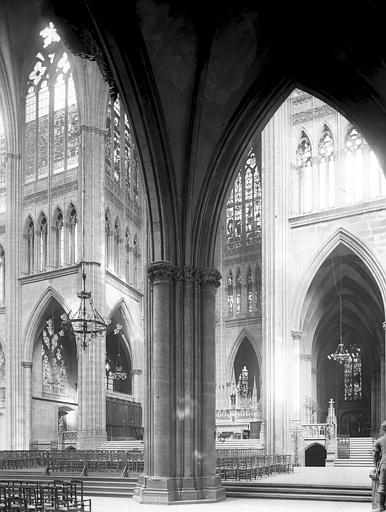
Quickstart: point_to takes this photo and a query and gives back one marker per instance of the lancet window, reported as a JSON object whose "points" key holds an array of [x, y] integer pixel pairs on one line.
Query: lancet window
{"points": [[2, 375], [72, 234], [107, 239], [121, 155], [230, 293], [250, 290], [42, 242], [353, 374], [51, 112], [29, 237], [127, 255], [117, 241], [326, 160], [243, 212], [59, 237], [238, 291], [304, 166]]}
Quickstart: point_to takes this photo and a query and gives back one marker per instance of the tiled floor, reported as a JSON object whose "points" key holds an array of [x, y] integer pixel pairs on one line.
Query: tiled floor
{"points": [[320, 476]]}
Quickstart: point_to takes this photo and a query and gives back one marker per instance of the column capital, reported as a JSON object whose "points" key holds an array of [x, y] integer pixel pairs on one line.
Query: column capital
{"points": [[27, 364], [161, 271], [187, 274], [296, 335], [210, 277], [92, 129], [384, 325]]}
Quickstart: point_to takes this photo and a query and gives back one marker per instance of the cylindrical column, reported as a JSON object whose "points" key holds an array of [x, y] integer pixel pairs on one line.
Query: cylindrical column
{"points": [[161, 275], [210, 280], [27, 365]]}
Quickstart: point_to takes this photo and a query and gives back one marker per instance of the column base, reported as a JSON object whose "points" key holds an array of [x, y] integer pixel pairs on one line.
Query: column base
{"points": [[90, 439], [166, 490]]}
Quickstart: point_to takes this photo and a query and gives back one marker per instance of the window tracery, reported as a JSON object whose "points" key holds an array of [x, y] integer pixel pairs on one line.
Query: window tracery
{"points": [[353, 374], [326, 169], [107, 238], [249, 290], [54, 375], [127, 255], [121, 155], [51, 112], [304, 165], [117, 241], [243, 211]]}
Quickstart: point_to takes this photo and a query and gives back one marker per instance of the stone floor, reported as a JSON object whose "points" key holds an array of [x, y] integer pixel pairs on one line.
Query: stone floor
{"points": [[324, 476]]}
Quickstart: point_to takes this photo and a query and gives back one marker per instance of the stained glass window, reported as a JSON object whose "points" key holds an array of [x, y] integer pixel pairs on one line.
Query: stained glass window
{"points": [[121, 155], [59, 237], [72, 235], [29, 237], [238, 291], [51, 113], [243, 210], [42, 242], [230, 293], [54, 375], [2, 276], [326, 169], [353, 374], [304, 164]]}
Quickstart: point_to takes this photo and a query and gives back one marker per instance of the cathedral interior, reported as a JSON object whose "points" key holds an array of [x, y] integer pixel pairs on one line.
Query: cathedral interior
{"points": [[212, 188]]}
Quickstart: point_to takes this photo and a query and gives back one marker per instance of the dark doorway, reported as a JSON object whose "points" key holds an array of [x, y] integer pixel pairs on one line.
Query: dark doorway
{"points": [[315, 455]]}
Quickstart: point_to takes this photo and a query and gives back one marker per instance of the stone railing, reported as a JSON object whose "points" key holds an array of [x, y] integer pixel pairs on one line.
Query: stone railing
{"points": [[70, 436], [237, 414], [314, 430]]}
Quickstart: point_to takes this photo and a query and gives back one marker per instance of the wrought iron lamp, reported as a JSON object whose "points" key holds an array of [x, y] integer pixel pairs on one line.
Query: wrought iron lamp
{"points": [[87, 323], [341, 354]]}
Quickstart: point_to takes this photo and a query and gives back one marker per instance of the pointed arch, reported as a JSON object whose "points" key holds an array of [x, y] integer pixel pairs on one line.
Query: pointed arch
{"points": [[133, 343], [341, 236], [72, 223], [34, 319], [58, 226], [244, 333]]}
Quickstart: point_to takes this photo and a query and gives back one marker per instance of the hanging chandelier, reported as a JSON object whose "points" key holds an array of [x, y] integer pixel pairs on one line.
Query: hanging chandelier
{"points": [[87, 323], [118, 372], [341, 354]]}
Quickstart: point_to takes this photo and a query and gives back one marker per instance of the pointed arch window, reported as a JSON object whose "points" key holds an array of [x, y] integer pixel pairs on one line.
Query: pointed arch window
{"points": [[121, 155], [353, 374], [59, 238], [107, 239], [238, 291], [2, 276], [29, 237], [353, 179], [304, 173], [230, 293], [51, 112], [72, 235], [117, 241], [54, 375], [135, 260], [250, 290], [127, 255], [243, 211], [42, 242], [257, 288], [326, 162]]}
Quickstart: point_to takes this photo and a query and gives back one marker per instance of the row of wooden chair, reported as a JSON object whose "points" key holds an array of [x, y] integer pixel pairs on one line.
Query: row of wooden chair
{"points": [[248, 468], [48, 496]]}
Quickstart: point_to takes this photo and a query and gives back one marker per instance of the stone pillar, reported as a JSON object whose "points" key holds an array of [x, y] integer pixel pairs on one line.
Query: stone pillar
{"points": [[91, 366], [27, 365], [382, 354], [212, 489], [276, 162], [179, 437]]}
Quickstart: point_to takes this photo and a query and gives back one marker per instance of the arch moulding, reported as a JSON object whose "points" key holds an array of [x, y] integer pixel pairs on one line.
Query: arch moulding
{"points": [[244, 333], [341, 236]]}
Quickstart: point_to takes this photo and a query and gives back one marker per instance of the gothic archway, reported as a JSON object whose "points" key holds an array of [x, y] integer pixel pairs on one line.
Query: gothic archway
{"points": [[358, 317]]}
